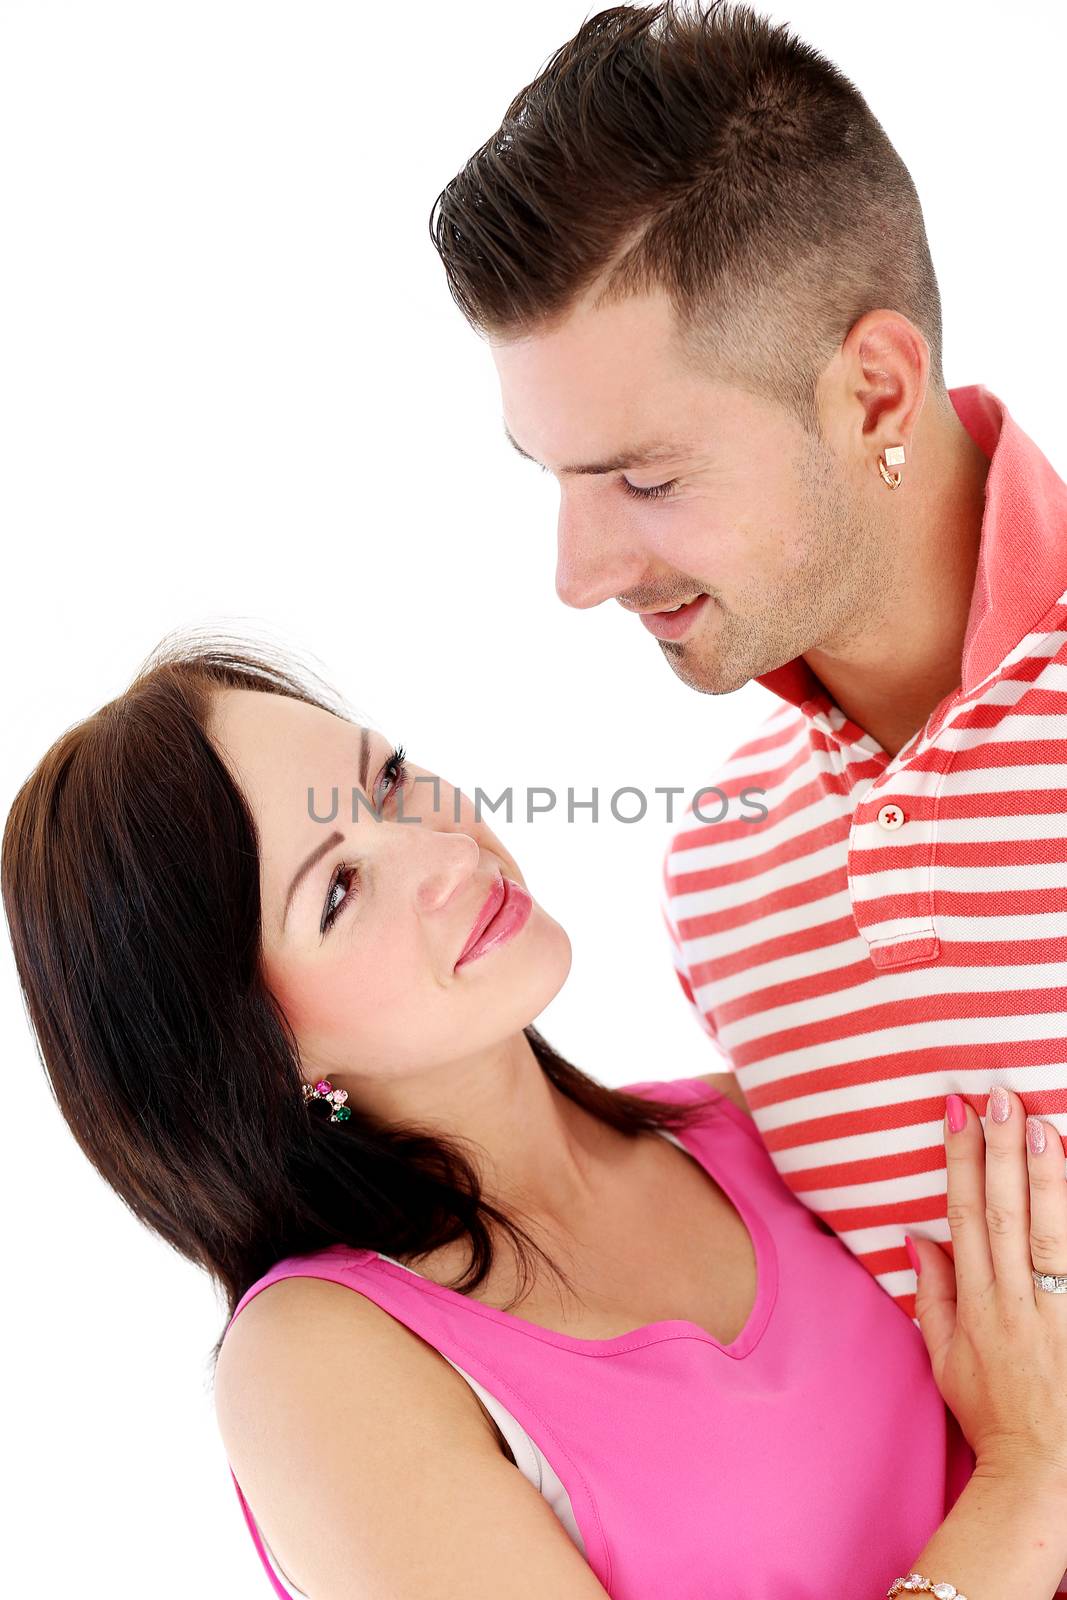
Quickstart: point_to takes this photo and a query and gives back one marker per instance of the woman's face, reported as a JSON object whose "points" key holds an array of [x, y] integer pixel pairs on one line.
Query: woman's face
{"points": [[375, 990]]}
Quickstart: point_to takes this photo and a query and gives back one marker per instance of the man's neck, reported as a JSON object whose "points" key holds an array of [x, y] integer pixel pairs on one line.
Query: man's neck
{"points": [[890, 678]]}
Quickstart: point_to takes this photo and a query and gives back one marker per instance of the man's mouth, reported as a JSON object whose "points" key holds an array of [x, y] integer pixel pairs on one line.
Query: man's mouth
{"points": [[675, 621]]}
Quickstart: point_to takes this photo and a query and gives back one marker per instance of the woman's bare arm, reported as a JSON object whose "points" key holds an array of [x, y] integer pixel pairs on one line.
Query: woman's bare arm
{"points": [[1004, 1539], [368, 1464]]}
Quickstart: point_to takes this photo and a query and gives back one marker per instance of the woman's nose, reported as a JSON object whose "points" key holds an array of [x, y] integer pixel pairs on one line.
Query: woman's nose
{"points": [[452, 861]]}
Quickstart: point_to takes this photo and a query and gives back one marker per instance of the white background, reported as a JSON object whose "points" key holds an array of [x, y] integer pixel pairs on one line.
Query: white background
{"points": [[234, 391]]}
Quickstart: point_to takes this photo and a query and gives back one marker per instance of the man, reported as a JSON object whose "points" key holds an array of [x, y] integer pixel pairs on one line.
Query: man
{"points": [[704, 275]]}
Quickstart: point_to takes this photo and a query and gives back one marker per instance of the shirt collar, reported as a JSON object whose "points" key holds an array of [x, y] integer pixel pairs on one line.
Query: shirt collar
{"points": [[1022, 556]]}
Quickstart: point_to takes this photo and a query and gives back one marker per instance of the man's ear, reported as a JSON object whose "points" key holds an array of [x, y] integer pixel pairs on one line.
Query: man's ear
{"points": [[888, 363]]}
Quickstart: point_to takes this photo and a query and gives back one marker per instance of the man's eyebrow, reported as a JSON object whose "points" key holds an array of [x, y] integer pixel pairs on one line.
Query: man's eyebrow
{"points": [[335, 837], [639, 456]]}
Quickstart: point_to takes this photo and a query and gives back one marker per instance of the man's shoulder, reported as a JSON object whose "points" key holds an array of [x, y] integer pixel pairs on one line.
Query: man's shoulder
{"points": [[783, 719], [732, 789]]}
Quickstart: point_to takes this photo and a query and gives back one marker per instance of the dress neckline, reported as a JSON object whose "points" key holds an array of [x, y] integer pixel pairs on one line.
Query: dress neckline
{"points": [[696, 1143]]}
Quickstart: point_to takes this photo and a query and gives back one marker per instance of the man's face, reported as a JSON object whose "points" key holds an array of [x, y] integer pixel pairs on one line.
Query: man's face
{"points": [[751, 511]]}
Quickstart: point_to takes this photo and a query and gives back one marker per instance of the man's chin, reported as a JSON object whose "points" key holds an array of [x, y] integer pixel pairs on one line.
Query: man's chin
{"points": [[706, 677]]}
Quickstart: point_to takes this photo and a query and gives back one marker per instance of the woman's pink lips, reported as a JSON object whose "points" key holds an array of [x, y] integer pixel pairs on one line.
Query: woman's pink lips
{"points": [[490, 906], [504, 913], [673, 624]]}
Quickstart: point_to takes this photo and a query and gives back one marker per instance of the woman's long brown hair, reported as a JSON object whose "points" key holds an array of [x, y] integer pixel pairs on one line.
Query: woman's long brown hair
{"points": [[130, 877]]}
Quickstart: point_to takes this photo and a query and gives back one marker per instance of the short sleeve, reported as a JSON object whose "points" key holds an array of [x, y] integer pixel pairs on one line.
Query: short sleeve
{"points": [[677, 955]]}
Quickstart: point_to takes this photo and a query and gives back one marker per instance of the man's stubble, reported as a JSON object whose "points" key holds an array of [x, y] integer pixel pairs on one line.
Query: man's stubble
{"points": [[828, 585]]}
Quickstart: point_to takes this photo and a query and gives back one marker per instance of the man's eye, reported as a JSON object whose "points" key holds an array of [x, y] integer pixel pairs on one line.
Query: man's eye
{"points": [[656, 492]]}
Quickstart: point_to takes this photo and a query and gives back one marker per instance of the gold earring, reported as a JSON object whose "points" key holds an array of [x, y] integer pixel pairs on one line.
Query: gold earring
{"points": [[894, 457]]}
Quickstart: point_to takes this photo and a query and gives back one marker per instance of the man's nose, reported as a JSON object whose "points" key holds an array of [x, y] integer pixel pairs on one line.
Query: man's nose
{"points": [[594, 560]]}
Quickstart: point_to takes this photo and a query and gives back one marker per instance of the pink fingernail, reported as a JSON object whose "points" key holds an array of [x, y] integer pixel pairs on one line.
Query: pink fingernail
{"points": [[957, 1116], [913, 1256], [1035, 1135], [999, 1104]]}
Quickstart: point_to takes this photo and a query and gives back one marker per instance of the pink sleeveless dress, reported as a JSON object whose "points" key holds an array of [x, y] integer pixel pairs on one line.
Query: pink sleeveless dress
{"points": [[811, 1456]]}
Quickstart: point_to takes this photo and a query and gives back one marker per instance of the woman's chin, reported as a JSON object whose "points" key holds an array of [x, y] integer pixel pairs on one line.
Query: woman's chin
{"points": [[548, 948], [551, 963], [539, 968]]}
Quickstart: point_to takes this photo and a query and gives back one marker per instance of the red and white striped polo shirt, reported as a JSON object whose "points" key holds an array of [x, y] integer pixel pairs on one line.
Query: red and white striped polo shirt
{"points": [[895, 930]]}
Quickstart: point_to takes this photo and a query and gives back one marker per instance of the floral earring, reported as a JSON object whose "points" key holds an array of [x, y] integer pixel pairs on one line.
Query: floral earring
{"points": [[324, 1090]]}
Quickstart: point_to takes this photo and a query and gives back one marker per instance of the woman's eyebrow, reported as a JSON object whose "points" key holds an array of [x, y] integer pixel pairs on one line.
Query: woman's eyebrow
{"points": [[335, 837], [302, 871]]}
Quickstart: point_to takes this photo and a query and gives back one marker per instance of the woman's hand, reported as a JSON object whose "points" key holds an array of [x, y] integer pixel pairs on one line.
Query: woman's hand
{"points": [[998, 1343]]}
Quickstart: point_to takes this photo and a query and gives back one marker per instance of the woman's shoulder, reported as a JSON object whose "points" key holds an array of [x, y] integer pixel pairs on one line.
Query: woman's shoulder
{"points": [[293, 1330], [310, 1329], [724, 1085], [301, 1343], [282, 1305]]}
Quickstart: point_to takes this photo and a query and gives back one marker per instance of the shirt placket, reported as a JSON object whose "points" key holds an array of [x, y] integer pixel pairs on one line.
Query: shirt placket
{"points": [[891, 842], [891, 848]]}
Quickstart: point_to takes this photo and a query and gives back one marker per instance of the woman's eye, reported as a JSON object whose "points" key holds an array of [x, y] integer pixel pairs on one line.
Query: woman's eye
{"points": [[395, 771], [654, 492], [333, 906], [395, 768]]}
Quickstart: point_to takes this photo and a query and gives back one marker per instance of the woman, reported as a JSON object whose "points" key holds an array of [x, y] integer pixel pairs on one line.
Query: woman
{"points": [[293, 1030]]}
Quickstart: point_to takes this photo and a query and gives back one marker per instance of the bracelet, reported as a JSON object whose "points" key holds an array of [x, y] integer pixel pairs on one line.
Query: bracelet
{"points": [[913, 1582]]}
